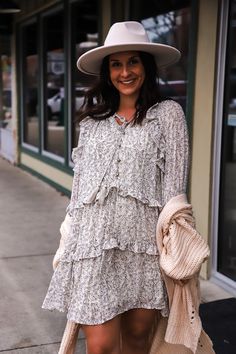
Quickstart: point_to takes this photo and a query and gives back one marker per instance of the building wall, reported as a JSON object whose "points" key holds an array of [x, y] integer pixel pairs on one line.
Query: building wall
{"points": [[203, 113], [49, 173]]}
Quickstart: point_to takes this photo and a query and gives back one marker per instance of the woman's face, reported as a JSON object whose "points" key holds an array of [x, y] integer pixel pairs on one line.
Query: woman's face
{"points": [[127, 72]]}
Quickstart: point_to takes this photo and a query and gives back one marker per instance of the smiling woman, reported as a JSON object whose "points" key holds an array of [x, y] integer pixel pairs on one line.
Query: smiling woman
{"points": [[127, 74], [108, 277], [128, 86]]}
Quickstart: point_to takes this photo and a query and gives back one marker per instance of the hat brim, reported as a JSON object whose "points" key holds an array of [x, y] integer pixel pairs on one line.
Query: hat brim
{"points": [[90, 62]]}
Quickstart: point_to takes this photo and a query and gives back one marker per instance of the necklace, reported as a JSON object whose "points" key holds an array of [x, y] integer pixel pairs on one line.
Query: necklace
{"points": [[122, 119]]}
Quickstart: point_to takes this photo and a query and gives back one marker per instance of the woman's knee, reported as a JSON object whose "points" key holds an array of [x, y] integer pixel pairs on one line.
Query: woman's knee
{"points": [[137, 326], [137, 334], [104, 338], [101, 346]]}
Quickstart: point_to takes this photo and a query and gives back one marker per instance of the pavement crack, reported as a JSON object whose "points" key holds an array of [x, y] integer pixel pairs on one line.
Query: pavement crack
{"points": [[28, 255], [30, 346]]}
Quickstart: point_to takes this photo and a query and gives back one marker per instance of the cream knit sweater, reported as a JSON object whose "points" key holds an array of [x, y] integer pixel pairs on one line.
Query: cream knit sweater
{"points": [[182, 252]]}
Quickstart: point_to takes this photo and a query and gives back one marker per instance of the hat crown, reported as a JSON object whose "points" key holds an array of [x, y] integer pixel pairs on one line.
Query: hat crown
{"points": [[126, 36], [126, 32]]}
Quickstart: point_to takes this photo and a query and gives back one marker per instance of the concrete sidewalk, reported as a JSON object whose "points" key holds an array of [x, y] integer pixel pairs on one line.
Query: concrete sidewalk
{"points": [[30, 216]]}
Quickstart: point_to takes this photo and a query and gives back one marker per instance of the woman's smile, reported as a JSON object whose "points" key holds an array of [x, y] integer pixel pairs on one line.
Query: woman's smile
{"points": [[127, 82], [127, 72]]}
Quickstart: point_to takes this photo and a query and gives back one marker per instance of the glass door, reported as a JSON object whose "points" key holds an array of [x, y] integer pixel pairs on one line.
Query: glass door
{"points": [[226, 257], [54, 86]]}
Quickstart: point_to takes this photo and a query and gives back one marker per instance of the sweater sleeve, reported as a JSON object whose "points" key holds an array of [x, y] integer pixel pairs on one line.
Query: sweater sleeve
{"points": [[176, 143]]}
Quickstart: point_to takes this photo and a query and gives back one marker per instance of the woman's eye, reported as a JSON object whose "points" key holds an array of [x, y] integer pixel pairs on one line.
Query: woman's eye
{"points": [[134, 61], [115, 64]]}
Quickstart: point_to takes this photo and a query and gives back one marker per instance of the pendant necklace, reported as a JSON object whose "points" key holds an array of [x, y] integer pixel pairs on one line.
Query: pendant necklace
{"points": [[122, 119]]}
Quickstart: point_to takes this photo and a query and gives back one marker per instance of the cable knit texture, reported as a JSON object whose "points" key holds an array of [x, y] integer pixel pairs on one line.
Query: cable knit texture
{"points": [[64, 232], [182, 249], [184, 324], [69, 339]]}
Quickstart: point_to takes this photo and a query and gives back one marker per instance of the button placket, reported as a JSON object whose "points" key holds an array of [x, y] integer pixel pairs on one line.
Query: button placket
{"points": [[118, 167], [122, 130], [118, 164]]}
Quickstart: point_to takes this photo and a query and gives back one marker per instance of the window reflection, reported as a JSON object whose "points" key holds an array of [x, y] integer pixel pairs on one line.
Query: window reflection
{"points": [[168, 23], [30, 82], [231, 120], [54, 123], [6, 109], [84, 37]]}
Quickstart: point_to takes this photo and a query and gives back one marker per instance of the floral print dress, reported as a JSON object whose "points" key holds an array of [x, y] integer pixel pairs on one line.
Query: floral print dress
{"points": [[123, 176]]}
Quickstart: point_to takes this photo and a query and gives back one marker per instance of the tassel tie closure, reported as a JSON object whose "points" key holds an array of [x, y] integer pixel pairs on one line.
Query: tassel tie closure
{"points": [[98, 195]]}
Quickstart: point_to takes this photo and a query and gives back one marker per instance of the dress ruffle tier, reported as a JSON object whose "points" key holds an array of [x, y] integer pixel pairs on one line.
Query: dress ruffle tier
{"points": [[110, 263]]}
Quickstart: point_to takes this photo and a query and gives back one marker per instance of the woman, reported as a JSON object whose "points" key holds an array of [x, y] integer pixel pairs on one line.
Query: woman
{"points": [[132, 157]]}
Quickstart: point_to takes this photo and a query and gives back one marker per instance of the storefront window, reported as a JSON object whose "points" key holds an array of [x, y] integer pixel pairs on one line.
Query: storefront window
{"points": [[168, 22], [6, 115], [84, 29], [30, 84], [84, 36], [227, 210], [54, 71], [51, 87]]}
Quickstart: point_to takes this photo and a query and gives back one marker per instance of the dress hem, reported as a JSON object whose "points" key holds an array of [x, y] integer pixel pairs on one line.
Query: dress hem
{"points": [[72, 319]]}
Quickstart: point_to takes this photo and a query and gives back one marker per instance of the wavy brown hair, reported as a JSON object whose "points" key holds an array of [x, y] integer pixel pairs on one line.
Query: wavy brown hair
{"points": [[102, 100]]}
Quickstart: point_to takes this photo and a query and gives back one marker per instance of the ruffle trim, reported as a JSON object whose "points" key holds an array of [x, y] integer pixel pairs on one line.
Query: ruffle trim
{"points": [[98, 195], [74, 252], [62, 290], [75, 318]]}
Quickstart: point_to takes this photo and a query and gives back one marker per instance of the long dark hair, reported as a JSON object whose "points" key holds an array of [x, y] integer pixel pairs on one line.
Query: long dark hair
{"points": [[102, 100]]}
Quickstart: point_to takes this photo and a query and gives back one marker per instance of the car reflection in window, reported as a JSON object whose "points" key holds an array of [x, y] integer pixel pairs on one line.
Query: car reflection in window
{"points": [[55, 103]]}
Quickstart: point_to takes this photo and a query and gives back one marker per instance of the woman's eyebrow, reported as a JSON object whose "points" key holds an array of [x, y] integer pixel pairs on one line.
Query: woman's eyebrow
{"points": [[134, 56]]}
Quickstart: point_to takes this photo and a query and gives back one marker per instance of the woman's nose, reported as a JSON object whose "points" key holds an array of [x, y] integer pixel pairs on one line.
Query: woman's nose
{"points": [[125, 71]]}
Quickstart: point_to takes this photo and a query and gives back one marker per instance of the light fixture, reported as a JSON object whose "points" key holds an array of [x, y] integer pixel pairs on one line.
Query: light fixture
{"points": [[8, 7]]}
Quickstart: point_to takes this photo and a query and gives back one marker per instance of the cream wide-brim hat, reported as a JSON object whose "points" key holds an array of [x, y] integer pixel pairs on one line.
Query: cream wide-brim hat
{"points": [[127, 36]]}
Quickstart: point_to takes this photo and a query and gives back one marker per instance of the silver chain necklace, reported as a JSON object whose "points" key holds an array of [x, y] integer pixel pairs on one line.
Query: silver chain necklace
{"points": [[122, 119]]}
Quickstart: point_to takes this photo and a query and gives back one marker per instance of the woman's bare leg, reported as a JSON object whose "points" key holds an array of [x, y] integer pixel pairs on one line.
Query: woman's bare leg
{"points": [[104, 338], [136, 325]]}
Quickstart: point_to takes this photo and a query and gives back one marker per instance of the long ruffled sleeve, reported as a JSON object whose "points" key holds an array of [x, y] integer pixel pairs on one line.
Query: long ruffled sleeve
{"points": [[65, 226], [84, 129], [176, 151]]}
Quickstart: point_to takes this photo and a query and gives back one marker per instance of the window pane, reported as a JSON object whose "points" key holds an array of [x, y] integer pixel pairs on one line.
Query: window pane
{"points": [[6, 107], [168, 22], [30, 84], [227, 211], [54, 123], [84, 37]]}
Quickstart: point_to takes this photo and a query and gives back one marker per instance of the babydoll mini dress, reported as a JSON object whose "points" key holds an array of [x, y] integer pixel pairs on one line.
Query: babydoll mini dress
{"points": [[123, 176]]}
